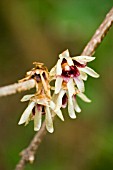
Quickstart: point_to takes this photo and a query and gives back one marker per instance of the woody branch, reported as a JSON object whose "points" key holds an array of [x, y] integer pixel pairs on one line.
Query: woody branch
{"points": [[27, 155], [89, 50]]}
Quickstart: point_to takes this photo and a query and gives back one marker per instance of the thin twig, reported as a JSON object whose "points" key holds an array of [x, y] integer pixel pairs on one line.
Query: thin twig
{"points": [[100, 33], [17, 87], [89, 51], [27, 155]]}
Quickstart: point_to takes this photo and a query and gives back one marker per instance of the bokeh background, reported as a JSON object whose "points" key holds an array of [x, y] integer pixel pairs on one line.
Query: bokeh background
{"points": [[36, 30]]}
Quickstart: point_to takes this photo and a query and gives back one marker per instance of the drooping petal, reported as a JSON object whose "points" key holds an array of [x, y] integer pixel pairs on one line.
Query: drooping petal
{"points": [[76, 106], [83, 59], [37, 118], [70, 86], [83, 75], [52, 105], [26, 113], [56, 110], [59, 114], [80, 84], [71, 108], [84, 97], [59, 99], [58, 84], [48, 119], [26, 97], [90, 72], [59, 67], [54, 97]]}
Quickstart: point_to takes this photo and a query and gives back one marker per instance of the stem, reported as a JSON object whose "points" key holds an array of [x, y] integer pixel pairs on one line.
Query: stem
{"points": [[100, 33], [17, 87], [28, 154]]}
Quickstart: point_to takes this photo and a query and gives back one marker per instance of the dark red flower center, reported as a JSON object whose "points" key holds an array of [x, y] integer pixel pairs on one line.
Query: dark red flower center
{"points": [[71, 71], [37, 77], [76, 63], [38, 108]]}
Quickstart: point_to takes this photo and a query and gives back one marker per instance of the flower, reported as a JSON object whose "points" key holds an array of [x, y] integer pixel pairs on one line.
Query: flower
{"points": [[65, 97], [41, 76], [38, 106], [75, 68]]}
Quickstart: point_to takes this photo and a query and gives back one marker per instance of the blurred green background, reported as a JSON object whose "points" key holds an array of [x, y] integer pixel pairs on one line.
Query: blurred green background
{"points": [[35, 30]]}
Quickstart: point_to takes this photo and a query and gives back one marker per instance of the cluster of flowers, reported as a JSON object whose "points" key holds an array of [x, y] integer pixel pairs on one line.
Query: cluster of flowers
{"points": [[69, 75]]}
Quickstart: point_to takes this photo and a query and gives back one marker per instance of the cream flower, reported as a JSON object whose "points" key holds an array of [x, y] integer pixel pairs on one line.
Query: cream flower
{"points": [[41, 76], [65, 97], [75, 67], [38, 106]]}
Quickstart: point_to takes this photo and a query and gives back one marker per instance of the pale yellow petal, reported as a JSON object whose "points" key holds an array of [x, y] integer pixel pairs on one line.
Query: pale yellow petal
{"points": [[80, 84], [83, 59], [83, 75], [27, 97], [37, 118], [76, 106], [71, 108], [59, 67], [58, 84], [69, 61], [90, 72], [48, 119], [84, 97], [59, 99], [59, 114], [70, 86], [26, 113], [64, 54]]}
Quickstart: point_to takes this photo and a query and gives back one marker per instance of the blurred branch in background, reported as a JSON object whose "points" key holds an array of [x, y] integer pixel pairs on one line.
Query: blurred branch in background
{"points": [[29, 153], [99, 35]]}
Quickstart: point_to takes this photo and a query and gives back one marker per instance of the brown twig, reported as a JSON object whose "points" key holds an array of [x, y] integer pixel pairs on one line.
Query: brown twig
{"points": [[27, 155], [89, 51], [17, 87], [100, 33]]}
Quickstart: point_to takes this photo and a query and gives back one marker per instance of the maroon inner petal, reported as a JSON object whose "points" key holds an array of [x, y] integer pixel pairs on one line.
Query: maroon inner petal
{"points": [[37, 77], [76, 63], [73, 72], [39, 107]]}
